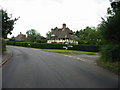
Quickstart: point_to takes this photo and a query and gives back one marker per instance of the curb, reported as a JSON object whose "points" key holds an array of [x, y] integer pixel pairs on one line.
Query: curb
{"points": [[6, 58]]}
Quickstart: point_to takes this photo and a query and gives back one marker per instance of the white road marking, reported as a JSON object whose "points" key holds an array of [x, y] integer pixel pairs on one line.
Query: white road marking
{"points": [[70, 56], [81, 59], [65, 55]]}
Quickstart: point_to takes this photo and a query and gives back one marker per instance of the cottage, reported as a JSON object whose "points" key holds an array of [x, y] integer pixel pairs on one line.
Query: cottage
{"points": [[20, 37], [62, 35]]}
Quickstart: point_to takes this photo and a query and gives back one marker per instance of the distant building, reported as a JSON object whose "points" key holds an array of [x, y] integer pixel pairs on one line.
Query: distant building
{"points": [[7, 39], [41, 38], [20, 37], [62, 35]]}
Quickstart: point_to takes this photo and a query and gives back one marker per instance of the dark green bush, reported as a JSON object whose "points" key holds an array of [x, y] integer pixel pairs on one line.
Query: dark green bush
{"points": [[47, 46], [110, 52], [2, 41], [92, 48], [41, 41], [10, 42]]}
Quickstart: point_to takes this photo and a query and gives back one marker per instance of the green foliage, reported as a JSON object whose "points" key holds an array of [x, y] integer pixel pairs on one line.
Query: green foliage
{"points": [[112, 66], [48, 34], [41, 41], [85, 47], [89, 35], [32, 35], [110, 52], [7, 23], [115, 7], [92, 48], [12, 38], [3, 45], [110, 31], [69, 51], [2, 41], [110, 27]]}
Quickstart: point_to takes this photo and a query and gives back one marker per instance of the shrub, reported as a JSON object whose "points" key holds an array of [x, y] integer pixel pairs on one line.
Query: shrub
{"points": [[10, 42], [41, 41], [2, 41], [82, 47], [93, 48], [110, 52]]}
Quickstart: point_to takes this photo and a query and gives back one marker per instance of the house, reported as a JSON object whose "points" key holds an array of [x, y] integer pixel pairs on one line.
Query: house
{"points": [[41, 38], [20, 37], [7, 39], [62, 35]]}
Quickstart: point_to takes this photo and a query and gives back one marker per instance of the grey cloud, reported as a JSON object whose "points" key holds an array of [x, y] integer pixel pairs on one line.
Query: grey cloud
{"points": [[58, 1], [100, 1]]}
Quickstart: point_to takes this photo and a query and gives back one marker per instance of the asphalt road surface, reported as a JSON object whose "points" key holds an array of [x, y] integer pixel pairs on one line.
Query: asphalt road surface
{"points": [[33, 68]]}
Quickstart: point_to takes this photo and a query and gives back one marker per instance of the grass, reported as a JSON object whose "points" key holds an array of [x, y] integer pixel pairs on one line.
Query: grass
{"points": [[68, 51], [112, 66]]}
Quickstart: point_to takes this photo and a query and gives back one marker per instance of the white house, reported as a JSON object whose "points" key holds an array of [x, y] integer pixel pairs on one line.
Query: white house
{"points": [[62, 35]]}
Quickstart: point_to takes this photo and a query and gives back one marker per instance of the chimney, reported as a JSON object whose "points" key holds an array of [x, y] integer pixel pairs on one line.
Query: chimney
{"points": [[64, 26]]}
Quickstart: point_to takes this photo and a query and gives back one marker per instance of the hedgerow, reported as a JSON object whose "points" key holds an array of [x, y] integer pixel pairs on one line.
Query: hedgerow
{"points": [[2, 41], [92, 48]]}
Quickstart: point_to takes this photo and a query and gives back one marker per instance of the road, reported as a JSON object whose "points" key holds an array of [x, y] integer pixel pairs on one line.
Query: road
{"points": [[33, 68]]}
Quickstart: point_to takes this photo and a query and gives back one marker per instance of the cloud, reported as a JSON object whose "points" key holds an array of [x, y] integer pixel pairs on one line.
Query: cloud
{"points": [[100, 1], [58, 1], [43, 15]]}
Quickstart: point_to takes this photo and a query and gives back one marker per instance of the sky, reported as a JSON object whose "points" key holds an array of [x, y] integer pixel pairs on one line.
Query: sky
{"points": [[42, 15]]}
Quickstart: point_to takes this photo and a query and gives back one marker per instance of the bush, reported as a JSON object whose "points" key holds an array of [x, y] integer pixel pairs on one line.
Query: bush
{"points": [[91, 48], [10, 42], [2, 41], [110, 52], [83, 47], [47, 46], [41, 41]]}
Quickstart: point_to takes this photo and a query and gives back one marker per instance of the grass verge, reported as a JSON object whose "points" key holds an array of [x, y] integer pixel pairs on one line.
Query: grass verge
{"points": [[68, 51], [112, 66]]}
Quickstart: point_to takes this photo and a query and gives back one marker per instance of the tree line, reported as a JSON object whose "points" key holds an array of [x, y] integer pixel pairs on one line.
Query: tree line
{"points": [[89, 35], [32, 35]]}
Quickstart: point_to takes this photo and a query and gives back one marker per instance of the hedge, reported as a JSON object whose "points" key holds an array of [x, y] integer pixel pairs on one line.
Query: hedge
{"points": [[110, 52], [2, 41], [82, 47], [92, 48]]}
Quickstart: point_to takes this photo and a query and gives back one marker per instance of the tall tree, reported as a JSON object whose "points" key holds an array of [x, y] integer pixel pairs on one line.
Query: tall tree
{"points": [[112, 25], [12, 38], [32, 35], [89, 35], [111, 34], [48, 34], [7, 23]]}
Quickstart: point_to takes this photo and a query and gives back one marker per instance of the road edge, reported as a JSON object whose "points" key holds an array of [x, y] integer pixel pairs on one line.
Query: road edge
{"points": [[8, 55]]}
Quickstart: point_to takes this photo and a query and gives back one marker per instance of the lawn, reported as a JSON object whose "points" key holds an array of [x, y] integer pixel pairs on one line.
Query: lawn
{"points": [[69, 51]]}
